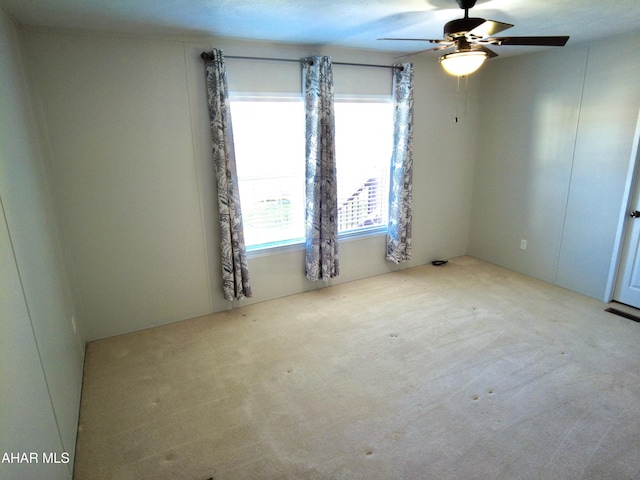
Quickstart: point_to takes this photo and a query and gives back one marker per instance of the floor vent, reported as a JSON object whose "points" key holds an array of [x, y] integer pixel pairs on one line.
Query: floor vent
{"points": [[630, 316]]}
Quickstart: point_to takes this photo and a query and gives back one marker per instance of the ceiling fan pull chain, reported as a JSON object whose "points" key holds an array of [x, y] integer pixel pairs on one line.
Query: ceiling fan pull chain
{"points": [[457, 98], [466, 95], [466, 91]]}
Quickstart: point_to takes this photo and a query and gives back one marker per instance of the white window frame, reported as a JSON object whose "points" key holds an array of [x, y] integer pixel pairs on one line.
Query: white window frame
{"points": [[375, 229]]}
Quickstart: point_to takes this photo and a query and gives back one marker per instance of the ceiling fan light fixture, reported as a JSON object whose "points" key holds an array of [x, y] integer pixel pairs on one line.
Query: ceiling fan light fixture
{"points": [[463, 63]]}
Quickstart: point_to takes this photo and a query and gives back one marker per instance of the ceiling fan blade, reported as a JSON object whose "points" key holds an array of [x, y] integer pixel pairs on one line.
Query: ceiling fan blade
{"points": [[441, 47], [490, 53], [430, 40], [488, 28], [558, 41]]}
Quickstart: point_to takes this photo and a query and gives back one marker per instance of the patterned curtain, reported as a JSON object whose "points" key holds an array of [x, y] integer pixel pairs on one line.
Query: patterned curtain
{"points": [[321, 212], [235, 275], [400, 196]]}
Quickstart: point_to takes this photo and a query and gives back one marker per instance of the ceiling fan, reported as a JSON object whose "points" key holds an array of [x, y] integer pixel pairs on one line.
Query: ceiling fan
{"points": [[469, 36]]}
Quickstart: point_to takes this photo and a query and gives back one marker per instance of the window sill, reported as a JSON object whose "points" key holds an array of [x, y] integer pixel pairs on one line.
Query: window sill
{"points": [[278, 248], [360, 234], [275, 248]]}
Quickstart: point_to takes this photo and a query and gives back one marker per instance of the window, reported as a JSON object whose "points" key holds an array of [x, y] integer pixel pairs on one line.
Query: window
{"points": [[269, 144], [270, 155], [364, 137]]}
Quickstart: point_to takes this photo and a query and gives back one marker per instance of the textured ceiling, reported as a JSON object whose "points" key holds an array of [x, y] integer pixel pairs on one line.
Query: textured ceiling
{"points": [[346, 23]]}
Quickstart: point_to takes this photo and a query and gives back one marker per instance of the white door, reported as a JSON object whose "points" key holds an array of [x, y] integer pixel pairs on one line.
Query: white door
{"points": [[627, 289]]}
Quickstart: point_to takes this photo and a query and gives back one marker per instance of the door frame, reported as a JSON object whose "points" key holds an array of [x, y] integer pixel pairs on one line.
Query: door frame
{"points": [[631, 184]]}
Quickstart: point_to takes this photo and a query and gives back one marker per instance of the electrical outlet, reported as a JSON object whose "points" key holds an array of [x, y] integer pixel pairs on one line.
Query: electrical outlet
{"points": [[523, 244], [73, 324]]}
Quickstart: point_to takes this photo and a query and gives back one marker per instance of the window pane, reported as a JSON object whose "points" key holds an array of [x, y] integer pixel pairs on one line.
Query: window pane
{"points": [[364, 137], [269, 145]]}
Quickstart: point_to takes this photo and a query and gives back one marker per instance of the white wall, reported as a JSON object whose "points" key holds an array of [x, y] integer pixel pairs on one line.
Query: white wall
{"points": [[552, 159], [116, 114], [127, 125], [525, 151], [41, 357], [608, 116]]}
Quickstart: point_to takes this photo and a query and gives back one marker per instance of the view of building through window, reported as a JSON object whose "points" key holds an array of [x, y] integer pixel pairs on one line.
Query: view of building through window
{"points": [[270, 156]]}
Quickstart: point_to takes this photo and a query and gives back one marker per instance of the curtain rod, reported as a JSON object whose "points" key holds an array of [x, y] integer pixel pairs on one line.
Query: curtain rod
{"points": [[207, 55]]}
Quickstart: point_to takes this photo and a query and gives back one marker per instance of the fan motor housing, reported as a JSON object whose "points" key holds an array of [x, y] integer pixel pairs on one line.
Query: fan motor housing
{"points": [[466, 4], [461, 26]]}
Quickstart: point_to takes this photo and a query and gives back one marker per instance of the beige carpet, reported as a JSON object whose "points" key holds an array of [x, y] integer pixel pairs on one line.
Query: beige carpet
{"points": [[466, 371]]}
